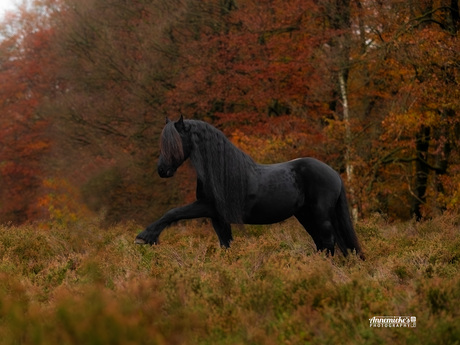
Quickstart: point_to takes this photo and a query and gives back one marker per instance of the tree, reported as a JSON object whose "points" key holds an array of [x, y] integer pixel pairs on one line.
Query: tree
{"points": [[118, 59], [26, 81], [390, 107], [424, 48], [256, 77]]}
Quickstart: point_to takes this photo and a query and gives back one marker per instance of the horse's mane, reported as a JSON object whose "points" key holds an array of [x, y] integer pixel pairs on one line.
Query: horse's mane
{"points": [[223, 169]]}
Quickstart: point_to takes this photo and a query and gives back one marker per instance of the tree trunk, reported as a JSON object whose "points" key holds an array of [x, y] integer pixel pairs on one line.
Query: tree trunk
{"points": [[348, 164], [422, 169]]}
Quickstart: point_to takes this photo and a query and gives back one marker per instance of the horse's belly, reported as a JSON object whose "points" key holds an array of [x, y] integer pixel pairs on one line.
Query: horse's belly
{"points": [[266, 218], [273, 195], [272, 209]]}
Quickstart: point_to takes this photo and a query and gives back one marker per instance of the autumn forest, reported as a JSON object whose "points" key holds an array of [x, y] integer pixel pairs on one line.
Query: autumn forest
{"points": [[369, 87]]}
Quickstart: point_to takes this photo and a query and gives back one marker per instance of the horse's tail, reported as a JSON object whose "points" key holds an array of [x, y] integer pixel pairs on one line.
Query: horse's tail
{"points": [[344, 231]]}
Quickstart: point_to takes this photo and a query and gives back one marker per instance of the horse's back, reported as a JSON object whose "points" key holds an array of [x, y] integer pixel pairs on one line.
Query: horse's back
{"points": [[309, 175]]}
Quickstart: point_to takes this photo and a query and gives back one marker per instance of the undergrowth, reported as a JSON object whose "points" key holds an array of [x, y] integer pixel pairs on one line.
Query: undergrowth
{"points": [[87, 285]]}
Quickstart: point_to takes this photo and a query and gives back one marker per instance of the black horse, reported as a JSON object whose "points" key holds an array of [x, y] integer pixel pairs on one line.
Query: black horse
{"points": [[232, 188]]}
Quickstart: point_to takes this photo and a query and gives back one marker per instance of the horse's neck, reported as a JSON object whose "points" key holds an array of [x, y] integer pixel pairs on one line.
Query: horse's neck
{"points": [[201, 160]]}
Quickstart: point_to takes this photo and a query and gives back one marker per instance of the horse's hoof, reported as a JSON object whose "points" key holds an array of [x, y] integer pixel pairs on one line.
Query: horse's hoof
{"points": [[139, 241]]}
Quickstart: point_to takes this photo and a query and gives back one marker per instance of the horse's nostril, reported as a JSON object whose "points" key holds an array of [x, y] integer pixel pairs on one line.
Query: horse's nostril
{"points": [[161, 172]]}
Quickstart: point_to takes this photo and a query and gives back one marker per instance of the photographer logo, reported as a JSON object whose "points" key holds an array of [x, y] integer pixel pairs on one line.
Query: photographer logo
{"points": [[393, 321]]}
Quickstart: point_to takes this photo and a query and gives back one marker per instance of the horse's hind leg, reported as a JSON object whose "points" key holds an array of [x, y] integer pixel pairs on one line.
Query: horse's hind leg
{"points": [[223, 231], [320, 228]]}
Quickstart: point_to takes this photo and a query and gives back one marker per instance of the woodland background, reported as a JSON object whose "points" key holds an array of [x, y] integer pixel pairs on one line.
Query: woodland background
{"points": [[370, 87]]}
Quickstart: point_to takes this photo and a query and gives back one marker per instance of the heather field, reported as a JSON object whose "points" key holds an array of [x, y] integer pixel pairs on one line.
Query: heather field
{"points": [[81, 284]]}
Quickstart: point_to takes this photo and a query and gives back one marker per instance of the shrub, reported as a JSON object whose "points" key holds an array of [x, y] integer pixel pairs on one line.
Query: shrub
{"points": [[86, 285]]}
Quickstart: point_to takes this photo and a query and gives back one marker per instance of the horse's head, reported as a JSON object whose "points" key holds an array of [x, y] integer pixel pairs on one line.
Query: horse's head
{"points": [[175, 147]]}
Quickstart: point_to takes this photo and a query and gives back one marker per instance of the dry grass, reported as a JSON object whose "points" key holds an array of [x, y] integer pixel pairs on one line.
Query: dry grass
{"points": [[86, 285]]}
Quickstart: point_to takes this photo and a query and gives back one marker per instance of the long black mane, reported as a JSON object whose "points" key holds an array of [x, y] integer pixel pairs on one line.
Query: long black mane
{"points": [[222, 168]]}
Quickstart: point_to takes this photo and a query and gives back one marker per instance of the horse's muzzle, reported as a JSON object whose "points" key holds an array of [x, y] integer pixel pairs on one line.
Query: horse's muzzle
{"points": [[166, 172]]}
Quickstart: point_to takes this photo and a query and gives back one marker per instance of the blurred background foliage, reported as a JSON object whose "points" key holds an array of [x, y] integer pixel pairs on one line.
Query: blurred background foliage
{"points": [[369, 87]]}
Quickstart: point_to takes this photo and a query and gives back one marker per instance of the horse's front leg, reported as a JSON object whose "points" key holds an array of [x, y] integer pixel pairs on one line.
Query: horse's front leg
{"points": [[223, 231], [198, 209]]}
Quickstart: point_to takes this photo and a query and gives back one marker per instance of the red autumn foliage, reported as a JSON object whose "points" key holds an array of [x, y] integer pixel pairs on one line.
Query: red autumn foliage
{"points": [[258, 78], [369, 87], [25, 83]]}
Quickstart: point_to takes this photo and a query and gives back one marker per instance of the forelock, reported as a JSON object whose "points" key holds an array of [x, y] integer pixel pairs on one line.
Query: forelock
{"points": [[171, 144]]}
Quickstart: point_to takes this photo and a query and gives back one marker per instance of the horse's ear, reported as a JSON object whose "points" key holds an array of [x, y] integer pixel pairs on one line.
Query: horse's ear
{"points": [[166, 120], [180, 123]]}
